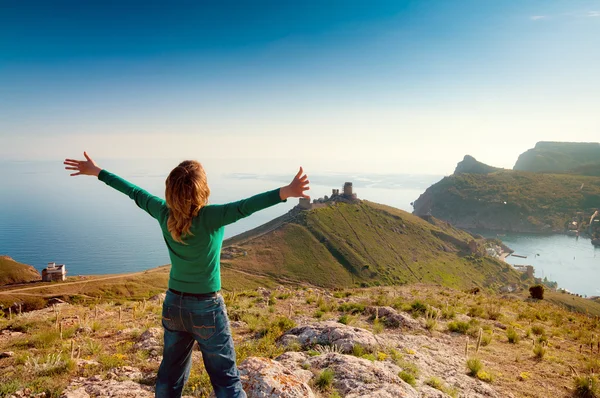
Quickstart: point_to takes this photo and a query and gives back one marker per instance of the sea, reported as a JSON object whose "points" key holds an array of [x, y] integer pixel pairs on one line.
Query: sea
{"points": [[48, 216]]}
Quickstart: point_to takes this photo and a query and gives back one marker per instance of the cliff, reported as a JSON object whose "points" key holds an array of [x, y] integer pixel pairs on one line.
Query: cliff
{"points": [[513, 201], [561, 157]]}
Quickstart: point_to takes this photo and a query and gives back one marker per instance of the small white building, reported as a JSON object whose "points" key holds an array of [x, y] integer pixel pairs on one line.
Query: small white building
{"points": [[54, 272]]}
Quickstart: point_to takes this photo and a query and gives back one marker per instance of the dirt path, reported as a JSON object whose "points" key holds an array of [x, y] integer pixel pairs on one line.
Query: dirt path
{"points": [[61, 285]]}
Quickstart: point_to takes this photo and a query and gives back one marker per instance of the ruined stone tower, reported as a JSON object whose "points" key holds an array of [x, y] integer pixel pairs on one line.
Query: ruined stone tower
{"points": [[348, 189]]}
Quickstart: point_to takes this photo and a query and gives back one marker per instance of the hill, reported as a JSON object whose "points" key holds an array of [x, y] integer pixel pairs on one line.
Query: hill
{"points": [[507, 200], [471, 165], [363, 244], [560, 157], [12, 271]]}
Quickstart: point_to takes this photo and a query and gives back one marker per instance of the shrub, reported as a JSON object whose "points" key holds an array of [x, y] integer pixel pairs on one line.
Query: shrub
{"points": [[485, 376], [408, 377], [494, 312], [474, 365], [586, 386], [358, 350], [538, 330], [486, 339], [342, 294], [475, 312], [448, 313], [539, 351], [324, 380], [352, 308], [430, 324], [458, 327], [418, 308], [435, 383], [378, 326], [344, 319], [537, 292], [512, 335]]}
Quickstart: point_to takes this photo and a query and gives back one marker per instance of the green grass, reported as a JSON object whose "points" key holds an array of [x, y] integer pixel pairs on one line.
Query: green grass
{"points": [[512, 335], [408, 377], [474, 365], [586, 386], [367, 244], [324, 380]]}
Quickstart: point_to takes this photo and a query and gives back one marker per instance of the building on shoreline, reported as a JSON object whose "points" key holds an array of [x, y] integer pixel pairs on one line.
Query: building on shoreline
{"points": [[54, 272]]}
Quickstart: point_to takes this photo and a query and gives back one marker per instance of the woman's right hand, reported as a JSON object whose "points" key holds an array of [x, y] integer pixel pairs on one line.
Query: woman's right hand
{"points": [[84, 167], [296, 188]]}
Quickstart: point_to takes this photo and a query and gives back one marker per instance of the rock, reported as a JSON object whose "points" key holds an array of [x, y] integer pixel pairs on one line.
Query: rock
{"points": [[238, 324], [87, 362], [430, 392], [7, 354], [95, 386], [78, 393], [264, 292], [150, 340], [360, 378], [330, 333], [55, 301], [158, 298], [84, 330], [500, 325], [266, 378], [297, 362], [394, 319]]}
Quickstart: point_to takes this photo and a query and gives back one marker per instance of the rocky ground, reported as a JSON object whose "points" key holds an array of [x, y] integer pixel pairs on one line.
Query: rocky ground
{"points": [[309, 343]]}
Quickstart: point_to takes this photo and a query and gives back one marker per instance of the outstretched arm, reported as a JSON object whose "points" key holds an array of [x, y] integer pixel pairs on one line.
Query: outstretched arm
{"points": [[219, 215], [150, 203]]}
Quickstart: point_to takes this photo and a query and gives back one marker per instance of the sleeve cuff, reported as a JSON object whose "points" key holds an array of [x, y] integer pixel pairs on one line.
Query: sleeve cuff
{"points": [[102, 175]]}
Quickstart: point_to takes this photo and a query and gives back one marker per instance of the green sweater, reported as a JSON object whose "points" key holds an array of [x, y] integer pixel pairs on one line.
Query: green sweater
{"points": [[195, 265]]}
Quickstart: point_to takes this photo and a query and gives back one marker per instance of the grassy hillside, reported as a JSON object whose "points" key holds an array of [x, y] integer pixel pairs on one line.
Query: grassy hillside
{"points": [[511, 200], [15, 272], [368, 244], [558, 157]]}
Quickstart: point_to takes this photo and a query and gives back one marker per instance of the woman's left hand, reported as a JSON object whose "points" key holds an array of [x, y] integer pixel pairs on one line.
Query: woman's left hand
{"points": [[296, 188], [84, 167]]}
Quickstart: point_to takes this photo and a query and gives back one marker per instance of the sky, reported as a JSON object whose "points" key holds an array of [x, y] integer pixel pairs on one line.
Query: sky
{"points": [[344, 86]]}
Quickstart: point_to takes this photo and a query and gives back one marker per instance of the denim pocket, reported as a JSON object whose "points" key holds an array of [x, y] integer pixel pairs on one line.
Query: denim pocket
{"points": [[169, 319], [204, 324]]}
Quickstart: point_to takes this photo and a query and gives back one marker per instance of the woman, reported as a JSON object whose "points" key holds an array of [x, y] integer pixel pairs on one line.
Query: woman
{"points": [[193, 232]]}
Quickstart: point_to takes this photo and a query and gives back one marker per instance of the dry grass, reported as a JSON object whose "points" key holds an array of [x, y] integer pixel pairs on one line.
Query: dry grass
{"points": [[42, 359]]}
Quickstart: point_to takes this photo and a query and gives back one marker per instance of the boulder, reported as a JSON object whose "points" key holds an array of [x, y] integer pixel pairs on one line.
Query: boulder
{"points": [[330, 333], [113, 386], [360, 378], [150, 340], [7, 354], [266, 378], [393, 319]]}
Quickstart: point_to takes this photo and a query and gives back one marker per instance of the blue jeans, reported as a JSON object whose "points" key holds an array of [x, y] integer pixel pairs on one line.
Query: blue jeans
{"points": [[186, 319]]}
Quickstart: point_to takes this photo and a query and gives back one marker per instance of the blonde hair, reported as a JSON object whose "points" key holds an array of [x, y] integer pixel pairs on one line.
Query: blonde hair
{"points": [[186, 193]]}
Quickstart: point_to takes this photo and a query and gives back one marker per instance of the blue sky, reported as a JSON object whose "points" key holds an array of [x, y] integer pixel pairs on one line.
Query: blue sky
{"points": [[378, 86]]}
